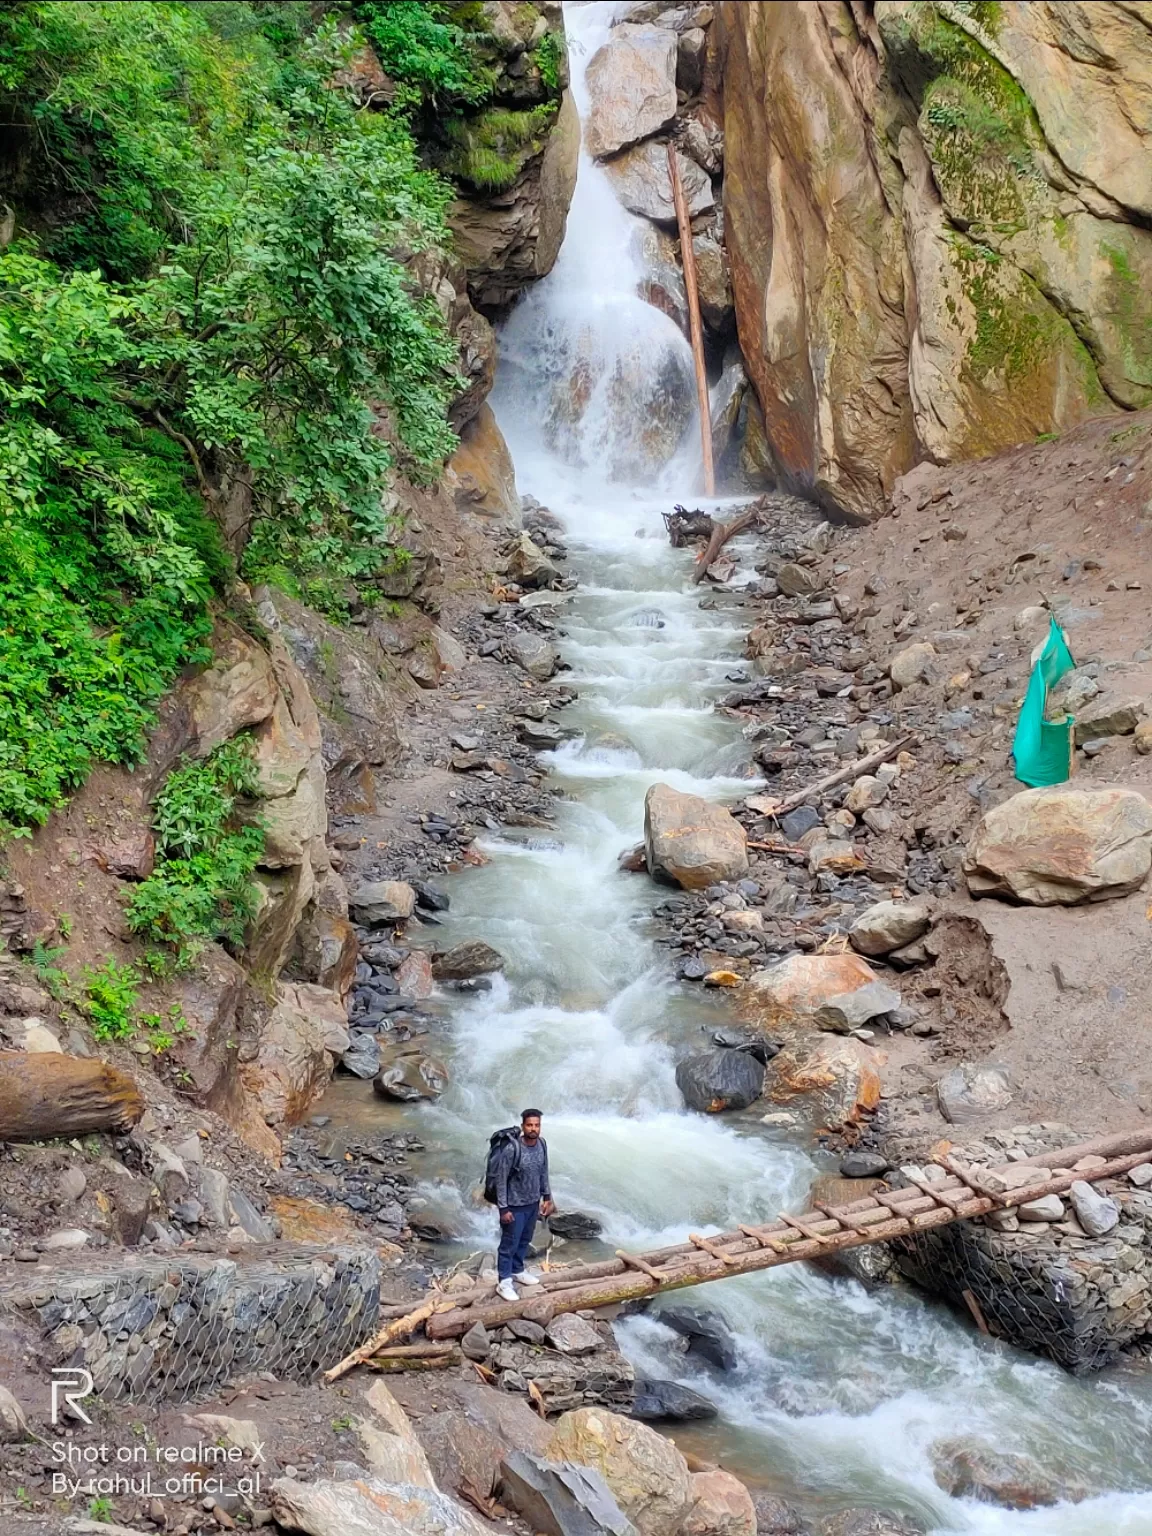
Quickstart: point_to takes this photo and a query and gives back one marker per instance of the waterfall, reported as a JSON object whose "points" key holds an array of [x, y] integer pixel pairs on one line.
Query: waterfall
{"points": [[593, 378]]}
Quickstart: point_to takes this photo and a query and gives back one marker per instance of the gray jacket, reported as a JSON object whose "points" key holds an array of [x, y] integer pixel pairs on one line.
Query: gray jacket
{"points": [[522, 1175]]}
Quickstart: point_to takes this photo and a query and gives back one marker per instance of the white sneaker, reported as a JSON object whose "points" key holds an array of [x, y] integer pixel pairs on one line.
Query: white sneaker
{"points": [[507, 1291], [526, 1279]]}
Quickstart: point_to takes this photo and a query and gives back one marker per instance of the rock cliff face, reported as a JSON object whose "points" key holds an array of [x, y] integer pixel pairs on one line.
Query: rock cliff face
{"points": [[937, 217], [514, 163]]}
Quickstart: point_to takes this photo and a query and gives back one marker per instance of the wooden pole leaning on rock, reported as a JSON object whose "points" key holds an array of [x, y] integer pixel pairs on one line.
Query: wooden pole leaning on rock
{"points": [[44, 1096], [688, 258], [720, 536]]}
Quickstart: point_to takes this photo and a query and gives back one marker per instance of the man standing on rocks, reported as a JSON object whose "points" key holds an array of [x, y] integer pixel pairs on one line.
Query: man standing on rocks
{"points": [[523, 1193]]}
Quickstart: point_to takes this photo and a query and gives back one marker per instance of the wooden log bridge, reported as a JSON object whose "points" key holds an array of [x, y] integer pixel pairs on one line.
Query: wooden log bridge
{"points": [[951, 1192]]}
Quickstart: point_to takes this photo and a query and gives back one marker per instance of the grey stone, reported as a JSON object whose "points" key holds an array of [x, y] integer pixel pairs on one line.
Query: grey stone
{"points": [[362, 1058], [376, 903], [888, 925], [1096, 1213], [463, 961], [537, 656], [1141, 1175], [850, 1010], [214, 1192], [13, 1420], [476, 1345], [970, 1092], [72, 1184], [863, 1165], [245, 1214], [572, 1335], [799, 821], [560, 1499], [1047, 1208], [168, 1173], [667, 1401]]}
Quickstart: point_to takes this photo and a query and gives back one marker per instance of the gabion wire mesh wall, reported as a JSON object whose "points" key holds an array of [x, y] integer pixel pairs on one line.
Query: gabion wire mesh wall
{"points": [[174, 1327]]}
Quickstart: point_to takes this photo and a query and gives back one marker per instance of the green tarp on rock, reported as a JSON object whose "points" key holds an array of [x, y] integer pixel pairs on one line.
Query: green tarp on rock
{"points": [[1043, 748]]}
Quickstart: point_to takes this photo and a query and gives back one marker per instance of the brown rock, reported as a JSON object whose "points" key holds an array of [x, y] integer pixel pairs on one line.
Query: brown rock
{"points": [[631, 83], [647, 1475], [794, 991], [131, 855], [481, 472], [1062, 845], [305, 1033], [511, 240], [842, 1072], [408, 1073], [237, 691], [414, 977], [721, 1506], [45, 1095], [690, 841], [968, 1469]]}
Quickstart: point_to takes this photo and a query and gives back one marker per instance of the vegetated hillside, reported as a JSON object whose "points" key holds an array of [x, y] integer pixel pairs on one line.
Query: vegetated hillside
{"points": [[223, 329], [938, 221]]}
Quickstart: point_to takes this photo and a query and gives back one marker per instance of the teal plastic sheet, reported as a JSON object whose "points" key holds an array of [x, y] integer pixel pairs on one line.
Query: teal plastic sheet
{"points": [[1043, 748]]}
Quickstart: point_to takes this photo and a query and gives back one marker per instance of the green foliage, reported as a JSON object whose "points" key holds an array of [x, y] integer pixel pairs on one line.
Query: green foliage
{"points": [[549, 60], [205, 283], [163, 1029], [108, 996], [489, 151], [50, 975], [421, 47], [201, 886]]}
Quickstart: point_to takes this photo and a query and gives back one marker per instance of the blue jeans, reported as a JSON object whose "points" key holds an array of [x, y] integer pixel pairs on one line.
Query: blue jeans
{"points": [[515, 1238]]}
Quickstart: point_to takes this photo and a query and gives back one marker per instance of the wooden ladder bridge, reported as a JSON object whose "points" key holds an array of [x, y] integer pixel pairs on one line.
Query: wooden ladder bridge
{"points": [[953, 1192]]}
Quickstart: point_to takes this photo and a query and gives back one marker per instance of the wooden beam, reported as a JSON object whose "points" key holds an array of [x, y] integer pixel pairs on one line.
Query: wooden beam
{"points": [[688, 258]]}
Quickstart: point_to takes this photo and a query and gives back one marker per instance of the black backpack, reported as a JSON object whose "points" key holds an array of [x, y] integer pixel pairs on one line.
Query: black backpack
{"points": [[498, 1140]]}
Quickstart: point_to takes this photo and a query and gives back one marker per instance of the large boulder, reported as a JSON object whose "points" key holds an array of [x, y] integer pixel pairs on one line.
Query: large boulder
{"points": [[713, 1081], [1063, 845], [647, 1475], [463, 961], [389, 1443], [536, 655], [481, 474], [377, 903], [721, 1506], [691, 842], [659, 1402], [972, 1091], [816, 990], [369, 1506], [841, 1073], [1108, 714], [889, 925], [642, 181], [306, 1033], [631, 85], [528, 565], [558, 1499]]}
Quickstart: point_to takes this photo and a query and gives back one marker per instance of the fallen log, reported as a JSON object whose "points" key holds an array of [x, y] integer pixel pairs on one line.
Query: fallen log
{"points": [[720, 536], [430, 1357], [45, 1096], [684, 526]]}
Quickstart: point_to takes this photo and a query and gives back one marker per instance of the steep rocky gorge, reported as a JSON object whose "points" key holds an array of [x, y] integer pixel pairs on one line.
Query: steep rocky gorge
{"points": [[937, 220]]}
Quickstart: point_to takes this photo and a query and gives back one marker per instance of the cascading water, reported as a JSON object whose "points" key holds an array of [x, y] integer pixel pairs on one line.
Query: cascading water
{"points": [[840, 1393]]}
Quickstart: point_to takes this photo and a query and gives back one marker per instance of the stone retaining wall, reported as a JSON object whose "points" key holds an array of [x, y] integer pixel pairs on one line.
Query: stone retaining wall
{"points": [[1046, 1286], [175, 1327]]}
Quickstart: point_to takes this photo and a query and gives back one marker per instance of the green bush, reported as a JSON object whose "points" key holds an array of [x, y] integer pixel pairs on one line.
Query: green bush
{"points": [[108, 995], [201, 886], [210, 277]]}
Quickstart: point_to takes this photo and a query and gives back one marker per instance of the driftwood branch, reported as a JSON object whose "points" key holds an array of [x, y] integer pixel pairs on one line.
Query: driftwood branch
{"points": [[842, 775], [721, 533], [399, 1328]]}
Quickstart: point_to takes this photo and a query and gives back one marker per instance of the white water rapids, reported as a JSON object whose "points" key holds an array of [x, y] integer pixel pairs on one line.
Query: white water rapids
{"points": [[840, 1392]]}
